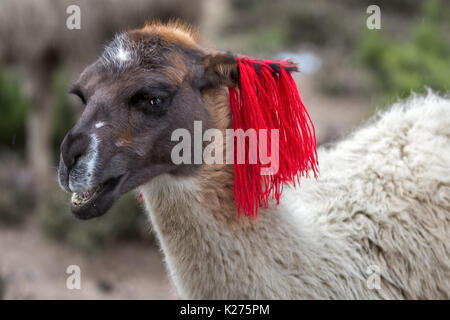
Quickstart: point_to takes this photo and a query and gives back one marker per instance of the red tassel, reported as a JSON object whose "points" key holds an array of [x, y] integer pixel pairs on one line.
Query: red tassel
{"points": [[268, 98]]}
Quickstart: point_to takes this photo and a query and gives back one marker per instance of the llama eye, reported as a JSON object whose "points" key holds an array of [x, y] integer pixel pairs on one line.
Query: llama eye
{"points": [[155, 105], [149, 103], [155, 101]]}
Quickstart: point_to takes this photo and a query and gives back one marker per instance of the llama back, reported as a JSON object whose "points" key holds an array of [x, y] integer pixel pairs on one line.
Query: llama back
{"points": [[385, 193]]}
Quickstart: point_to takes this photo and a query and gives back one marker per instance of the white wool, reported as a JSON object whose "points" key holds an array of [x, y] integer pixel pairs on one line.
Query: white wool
{"points": [[381, 202]]}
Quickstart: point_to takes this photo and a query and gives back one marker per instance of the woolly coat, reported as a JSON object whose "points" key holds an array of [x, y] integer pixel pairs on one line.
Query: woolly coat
{"points": [[374, 225]]}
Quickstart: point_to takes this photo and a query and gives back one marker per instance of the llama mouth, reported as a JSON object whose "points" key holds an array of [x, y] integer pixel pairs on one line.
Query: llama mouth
{"points": [[81, 198], [96, 201]]}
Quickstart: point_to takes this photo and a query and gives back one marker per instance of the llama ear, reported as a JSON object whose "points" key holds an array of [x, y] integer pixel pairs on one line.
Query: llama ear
{"points": [[222, 69], [219, 69]]}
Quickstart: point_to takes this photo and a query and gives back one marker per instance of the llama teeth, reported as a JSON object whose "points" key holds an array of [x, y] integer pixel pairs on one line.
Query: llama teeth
{"points": [[80, 198]]}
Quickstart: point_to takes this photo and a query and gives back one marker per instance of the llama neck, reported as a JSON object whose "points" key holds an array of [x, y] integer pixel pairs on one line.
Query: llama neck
{"points": [[211, 253]]}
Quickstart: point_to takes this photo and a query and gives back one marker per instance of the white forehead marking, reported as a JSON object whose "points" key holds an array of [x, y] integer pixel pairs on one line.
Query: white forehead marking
{"points": [[123, 55], [100, 124], [121, 52]]}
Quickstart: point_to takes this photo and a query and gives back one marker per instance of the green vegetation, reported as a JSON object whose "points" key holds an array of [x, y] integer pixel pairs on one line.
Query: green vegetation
{"points": [[15, 199], [13, 106], [414, 64], [266, 26]]}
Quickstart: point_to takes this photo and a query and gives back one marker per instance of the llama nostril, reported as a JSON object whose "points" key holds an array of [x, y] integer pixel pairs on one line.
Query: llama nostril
{"points": [[74, 160], [73, 148]]}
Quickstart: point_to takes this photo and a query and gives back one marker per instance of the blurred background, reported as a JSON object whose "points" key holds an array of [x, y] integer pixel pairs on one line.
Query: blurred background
{"points": [[348, 72]]}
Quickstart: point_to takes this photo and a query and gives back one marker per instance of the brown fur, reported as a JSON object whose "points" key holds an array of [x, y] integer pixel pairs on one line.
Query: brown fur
{"points": [[174, 31], [217, 180]]}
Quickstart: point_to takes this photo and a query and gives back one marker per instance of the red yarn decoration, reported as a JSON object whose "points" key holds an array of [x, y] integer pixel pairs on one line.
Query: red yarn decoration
{"points": [[267, 98]]}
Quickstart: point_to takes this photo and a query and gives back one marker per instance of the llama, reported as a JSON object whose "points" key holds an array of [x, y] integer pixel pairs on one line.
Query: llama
{"points": [[373, 225]]}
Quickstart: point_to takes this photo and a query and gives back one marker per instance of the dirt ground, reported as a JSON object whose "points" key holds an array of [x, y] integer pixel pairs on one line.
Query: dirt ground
{"points": [[34, 267]]}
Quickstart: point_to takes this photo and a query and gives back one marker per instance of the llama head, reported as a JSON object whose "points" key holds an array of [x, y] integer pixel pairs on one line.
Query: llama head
{"points": [[152, 81], [147, 83]]}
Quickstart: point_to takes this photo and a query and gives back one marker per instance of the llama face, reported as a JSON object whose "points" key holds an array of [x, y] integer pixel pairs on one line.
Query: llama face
{"points": [[143, 87]]}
